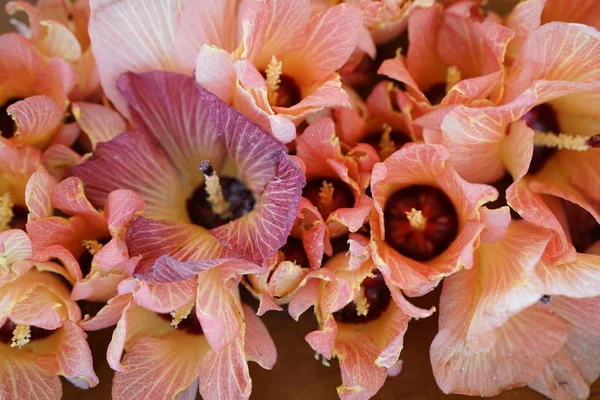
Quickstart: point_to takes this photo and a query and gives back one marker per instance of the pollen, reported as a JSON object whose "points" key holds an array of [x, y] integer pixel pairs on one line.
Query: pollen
{"points": [[453, 76], [387, 146], [6, 212], [326, 195], [416, 219], [21, 336], [92, 246], [562, 141], [212, 183], [362, 303], [181, 313], [273, 72]]}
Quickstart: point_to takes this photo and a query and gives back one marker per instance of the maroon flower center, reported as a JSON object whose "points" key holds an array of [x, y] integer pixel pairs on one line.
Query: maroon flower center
{"points": [[201, 209], [288, 93], [420, 222], [7, 332], [19, 219], [190, 324], [541, 118], [293, 251], [436, 93], [7, 125], [371, 302], [91, 247]]}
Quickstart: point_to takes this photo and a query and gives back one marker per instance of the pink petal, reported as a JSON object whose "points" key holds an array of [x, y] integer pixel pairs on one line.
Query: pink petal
{"points": [[121, 208], [217, 309], [58, 159], [211, 22], [215, 73], [126, 37], [69, 197], [164, 298], [109, 315], [99, 123], [37, 118], [57, 40], [132, 161], [160, 367], [24, 376], [15, 246], [258, 345], [73, 354], [328, 43], [225, 374]]}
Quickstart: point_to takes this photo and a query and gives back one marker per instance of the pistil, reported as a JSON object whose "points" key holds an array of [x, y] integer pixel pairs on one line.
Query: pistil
{"points": [[212, 183], [453, 76], [92, 246], [362, 303], [326, 195], [416, 219], [21, 336], [387, 146], [273, 79], [6, 212], [562, 141], [181, 313]]}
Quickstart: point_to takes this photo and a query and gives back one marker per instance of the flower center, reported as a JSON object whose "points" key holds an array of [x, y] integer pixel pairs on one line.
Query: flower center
{"points": [[218, 200], [19, 335], [282, 90], [387, 141], [328, 195], [420, 222], [7, 125], [437, 92], [371, 301], [91, 246], [548, 137], [185, 319], [293, 251]]}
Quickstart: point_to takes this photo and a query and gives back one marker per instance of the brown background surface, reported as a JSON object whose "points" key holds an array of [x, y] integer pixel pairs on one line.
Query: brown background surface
{"points": [[297, 375]]}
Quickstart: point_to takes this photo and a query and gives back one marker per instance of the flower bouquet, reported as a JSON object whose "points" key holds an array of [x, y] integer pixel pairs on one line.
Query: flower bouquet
{"points": [[170, 171]]}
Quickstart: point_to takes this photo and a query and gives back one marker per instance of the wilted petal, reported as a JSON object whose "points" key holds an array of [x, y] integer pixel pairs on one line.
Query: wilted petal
{"points": [[225, 374], [258, 345], [37, 118]]}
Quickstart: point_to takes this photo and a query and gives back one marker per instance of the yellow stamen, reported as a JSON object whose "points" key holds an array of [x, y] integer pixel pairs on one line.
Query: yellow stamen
{"points": [[273, 73], [561, 141], [212, 185], [181, 313], [326, 195], [21, 336], [361, 302], [453, 76], [6, 212], [416, 219], [386, 145], [93, 246]]}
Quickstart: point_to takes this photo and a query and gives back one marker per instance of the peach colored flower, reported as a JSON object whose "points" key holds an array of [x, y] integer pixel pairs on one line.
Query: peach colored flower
{"points": [[362, 321], [39, 336], [334, 200], [59, 29], [90, 243], [428, 219], [285, 67]]}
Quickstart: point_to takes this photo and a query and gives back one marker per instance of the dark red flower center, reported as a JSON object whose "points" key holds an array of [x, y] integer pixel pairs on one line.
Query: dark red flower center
{"points": [[7, 332], [436, 93], [293, 250], [19, 219], [328, 195], [189, 324], [201, 210], [371, 302], [420, 222], [541, 118], [7, 125], [288, 93], [91, 247]]}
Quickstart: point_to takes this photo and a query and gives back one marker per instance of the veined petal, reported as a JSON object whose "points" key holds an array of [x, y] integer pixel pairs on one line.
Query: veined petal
{"points": [[37, 119], [69, 197], [258, 345], [133, 161], [108, 315], [217, 309], [579, 278], [121, 208], [170, 363], [225, 374], [99, 123], [132, 36], [24, 376], [37, 195], [215, 72]]}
